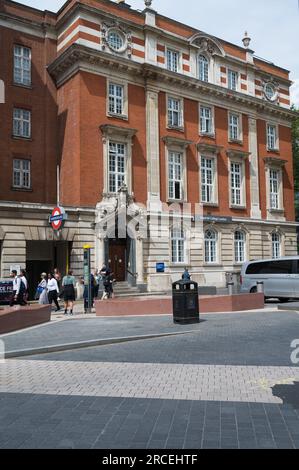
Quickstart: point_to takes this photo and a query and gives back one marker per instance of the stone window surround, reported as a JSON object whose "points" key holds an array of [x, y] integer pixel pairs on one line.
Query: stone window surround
{"points": [[245, 231], [272, 163], [240, 130], [237, 71], [121, 135], [218, 245], [182, 101], [171, 48], [282, 236], [236, 156], [187, 239], [209, 151], [124, 84], [204, 104], [276, 125], [174, 144]]}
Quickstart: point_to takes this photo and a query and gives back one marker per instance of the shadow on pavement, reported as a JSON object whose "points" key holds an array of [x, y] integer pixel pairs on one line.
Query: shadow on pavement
{"points": [[288, 393]]}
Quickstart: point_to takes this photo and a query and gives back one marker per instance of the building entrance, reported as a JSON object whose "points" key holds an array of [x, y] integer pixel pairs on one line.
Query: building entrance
{"points": [[45, 256], [118, 258]]}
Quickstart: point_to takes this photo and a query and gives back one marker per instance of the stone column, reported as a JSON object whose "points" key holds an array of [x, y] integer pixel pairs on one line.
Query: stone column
{"points": [[254, 170], [99, 252], [139, 261], [153, 149]]}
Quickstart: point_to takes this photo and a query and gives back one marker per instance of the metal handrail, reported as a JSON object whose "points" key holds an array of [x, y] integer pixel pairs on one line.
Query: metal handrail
{"points": [[132, 274]]}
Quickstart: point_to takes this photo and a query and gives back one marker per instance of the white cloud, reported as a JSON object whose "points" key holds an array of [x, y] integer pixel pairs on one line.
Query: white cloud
{"points": [[295, 93]]}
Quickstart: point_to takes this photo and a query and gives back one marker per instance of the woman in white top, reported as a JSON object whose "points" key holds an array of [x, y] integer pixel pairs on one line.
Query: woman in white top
{"points": [[53, 291]]}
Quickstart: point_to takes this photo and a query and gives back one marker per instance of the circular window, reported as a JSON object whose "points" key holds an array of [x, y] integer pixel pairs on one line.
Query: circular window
{"points": [[116, 40], [270, 92]]}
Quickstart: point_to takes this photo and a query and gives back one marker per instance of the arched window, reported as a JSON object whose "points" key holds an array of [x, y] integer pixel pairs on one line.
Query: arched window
{"points": [[239, 247], [210, 246], [203, 66], [177, 245], [276, 245]]}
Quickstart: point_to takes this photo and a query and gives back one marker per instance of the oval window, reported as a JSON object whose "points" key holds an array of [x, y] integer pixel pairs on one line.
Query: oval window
{"points": [[270, 92], [115, 40]]}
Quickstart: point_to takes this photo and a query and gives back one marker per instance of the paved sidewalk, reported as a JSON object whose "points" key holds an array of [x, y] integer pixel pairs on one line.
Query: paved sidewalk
{"points": [[229, 384]]}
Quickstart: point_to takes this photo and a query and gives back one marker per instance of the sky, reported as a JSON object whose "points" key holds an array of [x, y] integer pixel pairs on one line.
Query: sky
{"points": [[273, 25]]}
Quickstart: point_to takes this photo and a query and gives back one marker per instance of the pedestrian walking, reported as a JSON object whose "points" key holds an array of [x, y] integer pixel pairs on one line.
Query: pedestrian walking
{"points": [[24, 279], [53, 291], [92, 290], [97, 278], [186, 275], [17, 297], [69, 295], [41, 292]]}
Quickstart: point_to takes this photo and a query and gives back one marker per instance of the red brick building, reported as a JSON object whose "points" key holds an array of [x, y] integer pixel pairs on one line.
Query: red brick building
{"points": [[131, 107]]}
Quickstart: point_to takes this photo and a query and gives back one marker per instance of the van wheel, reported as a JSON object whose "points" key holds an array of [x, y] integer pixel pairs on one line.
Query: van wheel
{"points": [[253, 290], [283, 300]]}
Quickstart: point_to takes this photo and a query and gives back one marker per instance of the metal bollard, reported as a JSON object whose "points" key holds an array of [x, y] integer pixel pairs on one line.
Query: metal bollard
{"points": [[260, 287], [230, 286]]}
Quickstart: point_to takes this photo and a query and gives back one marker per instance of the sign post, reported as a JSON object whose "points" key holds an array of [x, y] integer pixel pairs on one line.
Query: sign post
{"points": [[87, 276]]}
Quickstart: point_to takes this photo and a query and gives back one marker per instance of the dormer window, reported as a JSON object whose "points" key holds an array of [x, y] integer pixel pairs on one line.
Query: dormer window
{"points": [[203, 68]]}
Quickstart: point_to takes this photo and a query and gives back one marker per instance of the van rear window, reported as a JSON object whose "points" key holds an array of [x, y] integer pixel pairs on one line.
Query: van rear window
{"points": [[271, 267]]}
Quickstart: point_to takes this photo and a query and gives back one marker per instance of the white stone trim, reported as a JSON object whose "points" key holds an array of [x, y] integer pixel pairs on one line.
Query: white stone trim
{"points": [[124, 84]]}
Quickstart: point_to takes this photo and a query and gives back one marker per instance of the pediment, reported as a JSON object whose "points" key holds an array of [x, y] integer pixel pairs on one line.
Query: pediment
{"points": [[206, 44]]}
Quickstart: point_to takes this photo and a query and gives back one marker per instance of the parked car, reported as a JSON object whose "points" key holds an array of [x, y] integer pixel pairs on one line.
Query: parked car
{"points": [[280, 277], [5, 290]]}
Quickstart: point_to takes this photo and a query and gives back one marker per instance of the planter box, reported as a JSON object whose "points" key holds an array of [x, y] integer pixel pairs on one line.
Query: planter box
{"points": [[17, 318], [163, 305]]}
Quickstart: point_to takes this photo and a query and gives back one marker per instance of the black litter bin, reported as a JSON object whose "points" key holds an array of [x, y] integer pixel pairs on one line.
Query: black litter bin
{"points": [[185, 302]]}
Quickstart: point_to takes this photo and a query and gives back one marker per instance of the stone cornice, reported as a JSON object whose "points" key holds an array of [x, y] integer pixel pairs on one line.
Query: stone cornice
{"points": [[273, 161], [211, 148], [74, 58], [109, 130], [81, 7], [176, 142], [43, 29], [233, 153]]}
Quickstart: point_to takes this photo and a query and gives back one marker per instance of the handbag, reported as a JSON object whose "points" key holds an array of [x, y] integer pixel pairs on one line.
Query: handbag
{"points": [[38, 292]]}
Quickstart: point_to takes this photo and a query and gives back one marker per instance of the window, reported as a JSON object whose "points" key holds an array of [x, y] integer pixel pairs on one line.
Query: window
{"points": [[234, 127], [275, 245], [175, 176], [22, 65], [177, 245], [236, 183], [207, 180], [233, 80], [274, 189], [206, 120], [116, 99], [21, 123], [270, 92], [115, 40], [239, 247], [210, 246], [271, 267], [21, 174], [117, 166], [203, 68], [175, 118], [271, 137], [172, 60]]}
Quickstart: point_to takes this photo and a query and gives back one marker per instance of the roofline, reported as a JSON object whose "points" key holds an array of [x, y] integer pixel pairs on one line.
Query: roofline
{"points": [[28, 7], [140, 13]]}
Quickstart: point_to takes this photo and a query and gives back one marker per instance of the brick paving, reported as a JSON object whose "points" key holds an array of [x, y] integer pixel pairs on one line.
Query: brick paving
{"points": [[228, 384]]}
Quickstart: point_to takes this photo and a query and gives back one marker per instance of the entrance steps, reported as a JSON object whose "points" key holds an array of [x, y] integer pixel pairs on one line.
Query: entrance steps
{"points": [[123, 289]]}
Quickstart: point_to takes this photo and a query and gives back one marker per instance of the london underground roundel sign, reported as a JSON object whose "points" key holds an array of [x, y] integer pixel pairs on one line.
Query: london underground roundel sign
{"points": [[57, 218]]}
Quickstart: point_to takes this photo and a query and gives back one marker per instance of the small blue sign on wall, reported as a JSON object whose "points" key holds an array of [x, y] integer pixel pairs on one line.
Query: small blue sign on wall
{"points": [[160, 267]]}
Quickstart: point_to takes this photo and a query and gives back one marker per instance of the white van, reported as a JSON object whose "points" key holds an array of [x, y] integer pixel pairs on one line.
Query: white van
{"points": [[280, 277]]}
